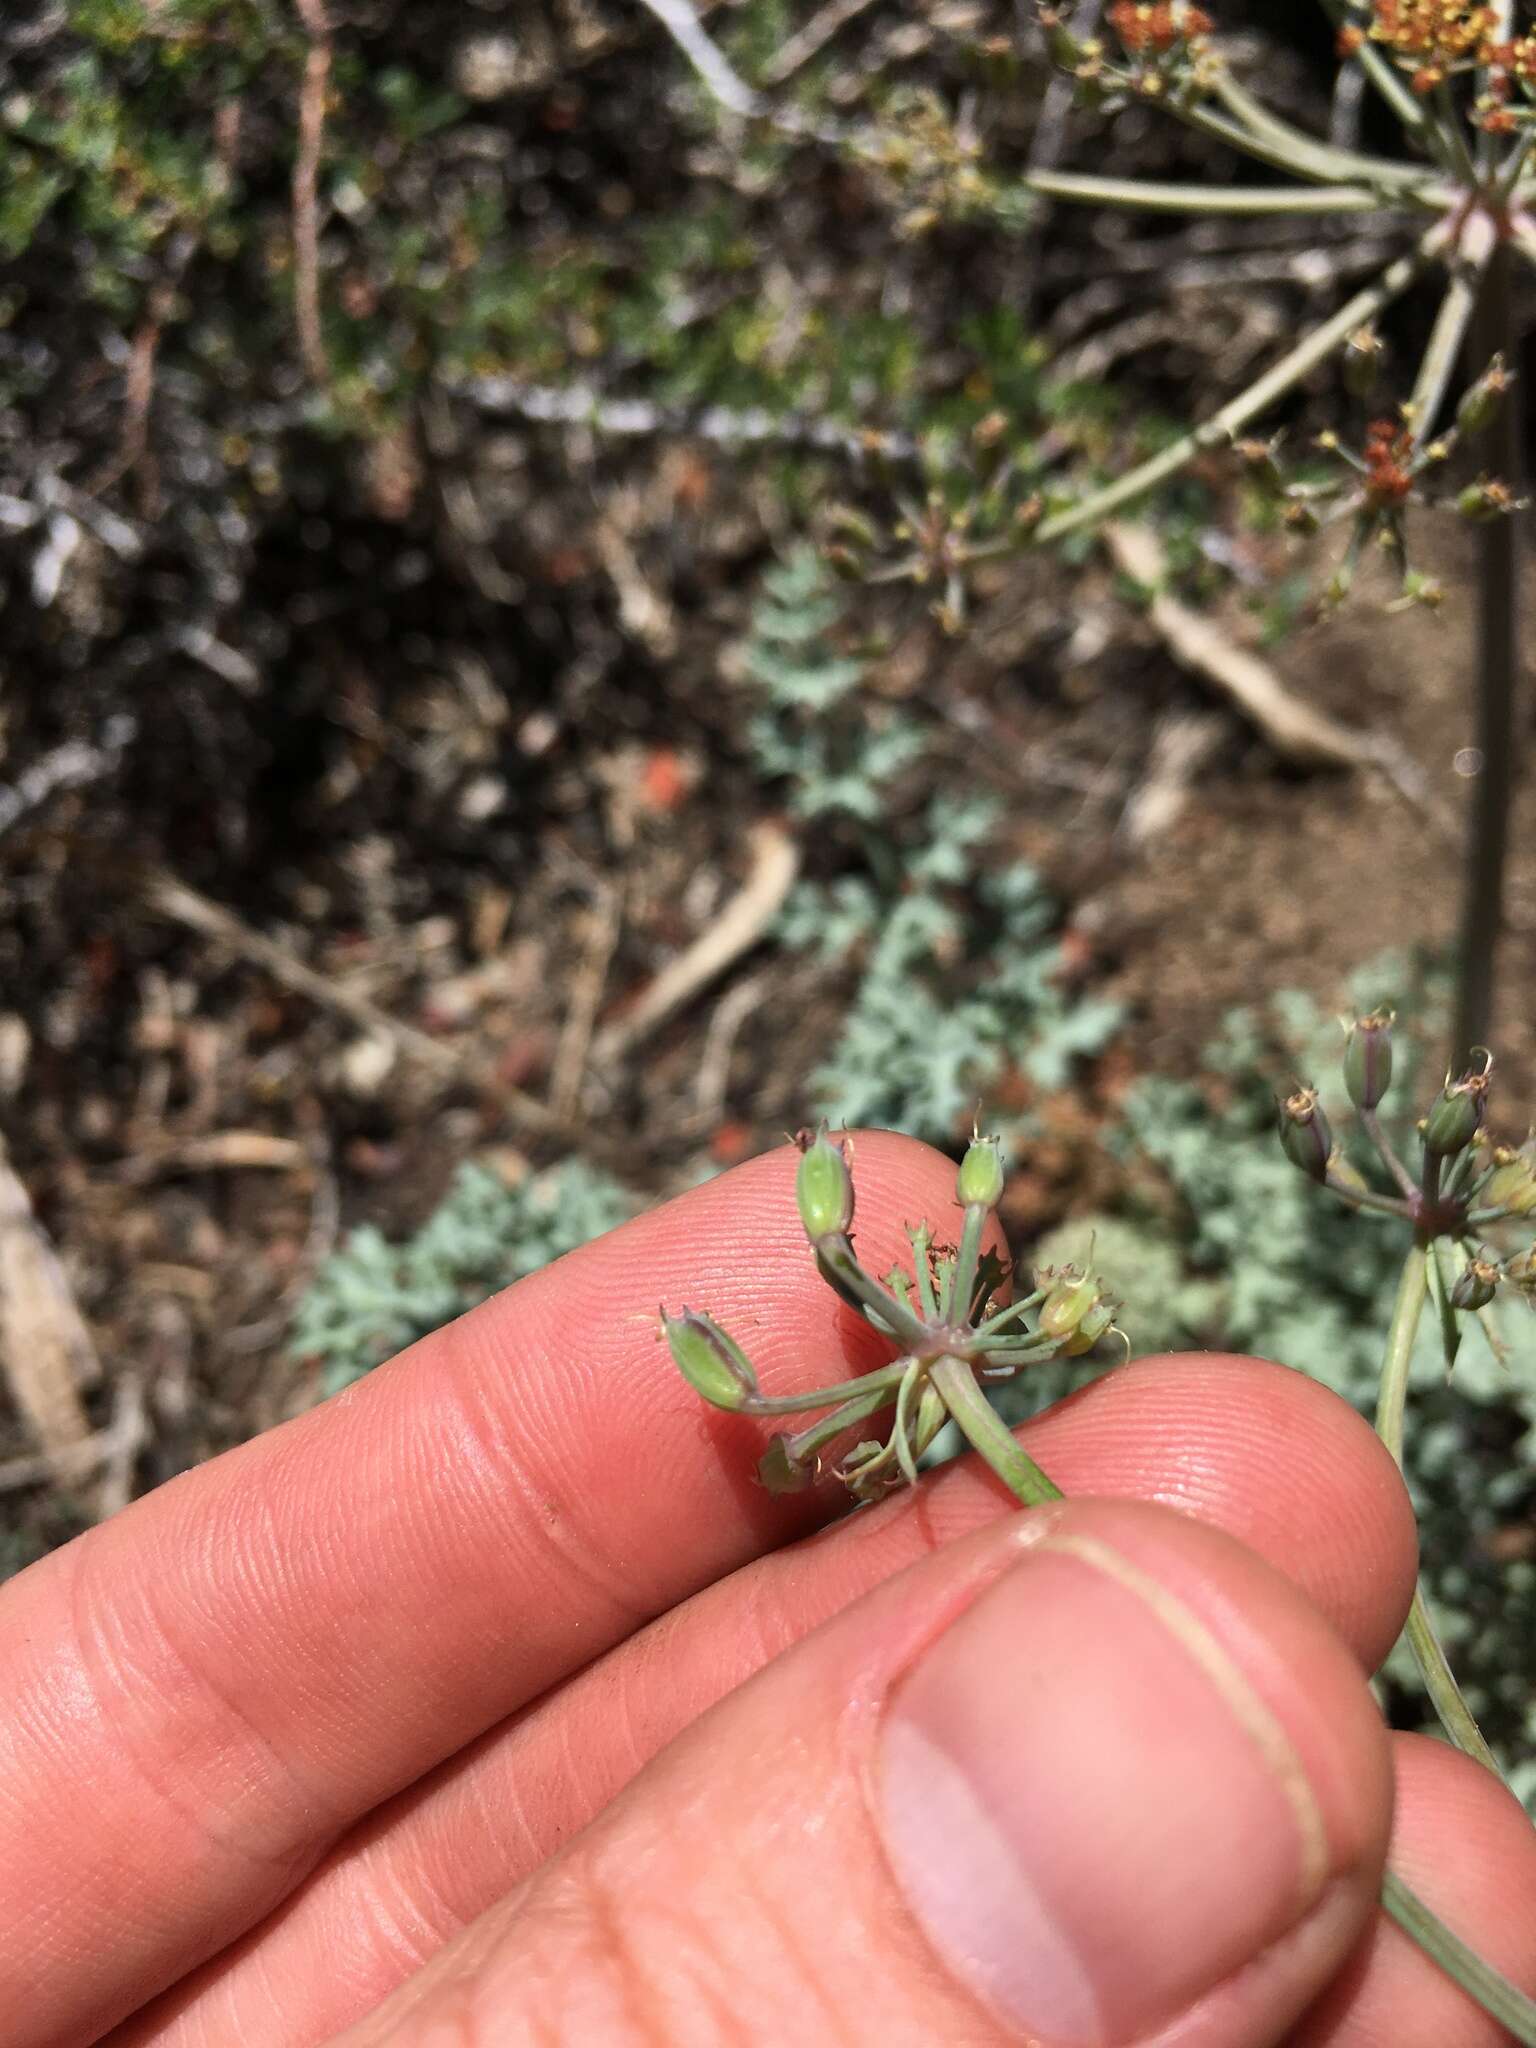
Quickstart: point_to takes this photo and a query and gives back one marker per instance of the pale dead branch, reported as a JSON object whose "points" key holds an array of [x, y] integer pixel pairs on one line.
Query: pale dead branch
{"points": [[46, 1351], [1296, 730], [741, 923], [306, 180], [809, 41], [173, 899], [605, 921]]}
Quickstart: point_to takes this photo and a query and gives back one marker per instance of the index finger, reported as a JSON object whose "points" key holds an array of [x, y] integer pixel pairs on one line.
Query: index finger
{"points": [[200, 1695]]}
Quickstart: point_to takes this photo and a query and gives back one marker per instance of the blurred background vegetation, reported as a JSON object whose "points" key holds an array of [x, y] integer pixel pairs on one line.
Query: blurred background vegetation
{"points": [[447, 802]]}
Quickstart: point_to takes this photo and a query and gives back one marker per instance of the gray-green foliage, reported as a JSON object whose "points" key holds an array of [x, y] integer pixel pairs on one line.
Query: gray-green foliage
{"points": [[1254, 1257], [957, 950], [371, 1298]]}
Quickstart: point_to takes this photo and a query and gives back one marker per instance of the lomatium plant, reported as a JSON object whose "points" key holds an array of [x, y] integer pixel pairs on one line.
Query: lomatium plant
{"points": [[944, 1317], [957, 1328], [1460, 81]]}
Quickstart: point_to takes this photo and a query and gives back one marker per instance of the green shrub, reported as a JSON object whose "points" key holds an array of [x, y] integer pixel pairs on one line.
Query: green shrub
{"points": [[956, 949], [372, 1298]]}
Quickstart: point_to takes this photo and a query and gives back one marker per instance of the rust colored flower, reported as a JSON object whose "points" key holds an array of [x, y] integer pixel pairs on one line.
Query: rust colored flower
{"points": [[1151, 28], [1387, 455], [1434, 35]]}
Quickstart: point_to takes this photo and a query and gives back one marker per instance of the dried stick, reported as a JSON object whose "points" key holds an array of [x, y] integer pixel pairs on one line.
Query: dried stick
{"points": [[173, 899], [306, 179], [807, 42], [46, 1351], [739, 926], [1297, 731]]}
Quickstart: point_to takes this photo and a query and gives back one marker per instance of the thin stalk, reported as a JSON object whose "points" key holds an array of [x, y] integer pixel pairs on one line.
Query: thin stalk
{"points": [[901, 1435], [843, 1273], [805, 1444], [884, 1381], [1366, 1198], [922, 1244], [1446, 338], [1011, 1314], [1482, 914], [1243, 199], [1324, 158], [988, 1434], [1456, 1717], [1300, 155], [1448, 127], [1494, 1993], [962, 1278], [1370, 1123], [1224, 425]]}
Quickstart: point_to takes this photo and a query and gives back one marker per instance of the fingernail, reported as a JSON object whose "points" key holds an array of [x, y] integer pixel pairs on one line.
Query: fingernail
{"points": [[1089, 1807]]}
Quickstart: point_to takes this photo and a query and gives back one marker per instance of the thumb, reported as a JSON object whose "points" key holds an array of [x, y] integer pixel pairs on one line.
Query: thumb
{"points": [[1094, 1774]]}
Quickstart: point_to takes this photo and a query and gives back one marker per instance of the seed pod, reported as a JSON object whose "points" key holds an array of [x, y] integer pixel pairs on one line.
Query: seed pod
{"points": [[1368, 1059], [1097, 1323], [780, 1470], [1362, 360], [1480, 403], [980, 1180], [1456, 1116], [1305, 1136], [1512, 1184], [1076, 1311], [712, 1363], [1484, 500], [823, 1187], [1520, 1271], [1475, 1286]]}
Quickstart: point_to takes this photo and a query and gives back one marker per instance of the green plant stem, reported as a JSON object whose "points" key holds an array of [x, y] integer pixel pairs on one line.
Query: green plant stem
{"points": [[1482, 914], [1446, 338], [1365, 1198], [1309, 154], [1011, 1314], [987, 1433], [805, 1444], [1033, 1488], [1447, 125], [1370, 1123], [1224, 425], [1494, 1993], [1456, 1717], [843, 1273], [962, 1279], [886, 1380], [1243, 199]]}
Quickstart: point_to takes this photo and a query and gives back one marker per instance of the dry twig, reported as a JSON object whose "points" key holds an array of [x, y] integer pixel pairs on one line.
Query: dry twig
{"points": [[46, 1350], [173, 899], [1297, 731], [739, 926], [809, 41], [306, 181]]}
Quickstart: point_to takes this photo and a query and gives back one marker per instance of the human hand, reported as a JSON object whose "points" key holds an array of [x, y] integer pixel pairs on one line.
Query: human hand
{"points": [[494, 1690]]}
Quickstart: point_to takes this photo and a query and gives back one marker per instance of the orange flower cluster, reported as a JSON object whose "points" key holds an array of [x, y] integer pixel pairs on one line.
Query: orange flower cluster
{"points": [[1151, 28], [1439, 33], [1387, 454], [1438, 37]]}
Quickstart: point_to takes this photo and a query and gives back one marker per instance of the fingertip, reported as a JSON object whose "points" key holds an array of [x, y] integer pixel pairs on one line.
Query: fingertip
{"points": [[1466, 1847], [1260, 1450]]}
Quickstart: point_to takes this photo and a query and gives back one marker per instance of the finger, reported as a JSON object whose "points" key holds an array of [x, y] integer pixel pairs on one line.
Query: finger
{"points": [[1468, 1849], [1097, 1774], [1266, 1454], [201, 1694]]}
